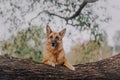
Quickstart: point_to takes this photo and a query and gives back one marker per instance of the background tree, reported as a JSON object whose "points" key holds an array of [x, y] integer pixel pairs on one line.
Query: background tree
{"points": [[75, 13]]}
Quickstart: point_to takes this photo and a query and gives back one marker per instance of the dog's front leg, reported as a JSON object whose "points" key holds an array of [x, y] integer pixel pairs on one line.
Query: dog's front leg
{"points": [[68, 65], [49, 62]]}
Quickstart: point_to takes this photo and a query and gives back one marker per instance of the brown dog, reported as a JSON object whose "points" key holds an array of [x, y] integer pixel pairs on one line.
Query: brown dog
{"points": [[54, 53]]}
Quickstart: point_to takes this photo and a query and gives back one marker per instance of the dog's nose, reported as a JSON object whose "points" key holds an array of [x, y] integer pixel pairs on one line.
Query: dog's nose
{"points": [[53, 44]]}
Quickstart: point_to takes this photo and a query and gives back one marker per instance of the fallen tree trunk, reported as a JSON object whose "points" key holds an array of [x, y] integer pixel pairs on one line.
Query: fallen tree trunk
{"points": [[23, 69]]}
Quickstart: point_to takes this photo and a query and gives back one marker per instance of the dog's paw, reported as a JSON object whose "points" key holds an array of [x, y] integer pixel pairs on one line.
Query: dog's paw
{"points": [[73, 68], [53, 64]]}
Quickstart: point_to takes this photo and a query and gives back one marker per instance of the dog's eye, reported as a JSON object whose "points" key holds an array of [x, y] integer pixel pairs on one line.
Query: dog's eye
{"points": [[57, 37], [51, 37]]}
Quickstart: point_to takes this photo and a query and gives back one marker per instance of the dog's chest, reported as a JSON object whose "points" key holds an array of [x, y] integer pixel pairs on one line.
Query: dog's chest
{"points": [[58, 58]]}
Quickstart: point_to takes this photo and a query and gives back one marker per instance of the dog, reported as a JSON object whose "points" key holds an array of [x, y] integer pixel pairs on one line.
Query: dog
{"points": [[54, 53]]}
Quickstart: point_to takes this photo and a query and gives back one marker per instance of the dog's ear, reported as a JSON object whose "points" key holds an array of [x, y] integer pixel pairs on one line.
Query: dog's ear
{"points": [[48, 30], [62, 33]]}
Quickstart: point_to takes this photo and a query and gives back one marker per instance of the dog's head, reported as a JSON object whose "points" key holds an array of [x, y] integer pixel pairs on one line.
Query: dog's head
{"points": [[54, 39]]}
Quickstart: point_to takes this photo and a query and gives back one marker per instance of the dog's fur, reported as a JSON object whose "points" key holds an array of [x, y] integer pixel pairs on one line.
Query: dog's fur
{"points": [[54, 53]]}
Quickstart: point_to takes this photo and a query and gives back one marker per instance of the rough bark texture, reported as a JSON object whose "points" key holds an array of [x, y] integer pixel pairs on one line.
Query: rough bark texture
{"points": [[23, 69]]}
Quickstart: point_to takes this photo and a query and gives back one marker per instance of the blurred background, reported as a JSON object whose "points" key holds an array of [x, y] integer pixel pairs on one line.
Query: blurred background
{"points": [[91, 36]]}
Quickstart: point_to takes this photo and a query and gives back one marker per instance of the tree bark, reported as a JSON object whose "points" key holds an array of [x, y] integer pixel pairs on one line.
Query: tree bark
{"points": [[23, 69]]}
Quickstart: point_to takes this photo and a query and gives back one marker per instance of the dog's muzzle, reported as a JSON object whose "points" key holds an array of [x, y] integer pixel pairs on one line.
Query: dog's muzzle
{"points": [[53, 43]]}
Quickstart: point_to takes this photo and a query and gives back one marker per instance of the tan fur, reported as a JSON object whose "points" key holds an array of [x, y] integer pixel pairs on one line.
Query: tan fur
{"points": [[55, 55]]}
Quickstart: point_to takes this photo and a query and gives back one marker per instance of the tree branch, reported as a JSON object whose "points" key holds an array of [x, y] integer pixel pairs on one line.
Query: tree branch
{"points": [[90, 1], [23, 69], [71, 17], [36, 16], [77, 13], [54, 14]]}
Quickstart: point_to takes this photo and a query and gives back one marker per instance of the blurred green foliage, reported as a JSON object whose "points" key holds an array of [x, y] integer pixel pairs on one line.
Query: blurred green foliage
{"points": [[88, 52], [27, 43], [116, 39]]}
